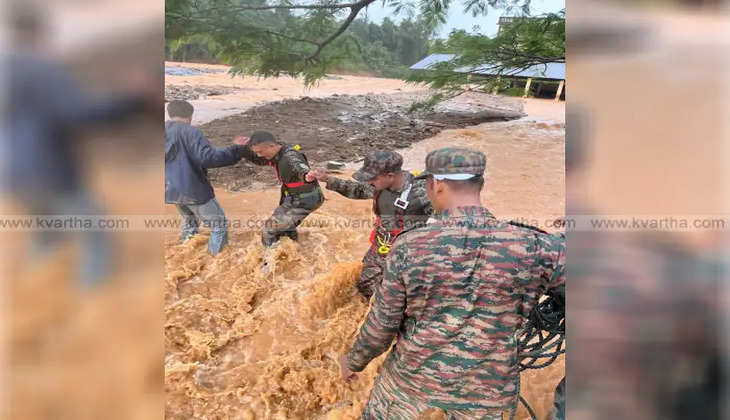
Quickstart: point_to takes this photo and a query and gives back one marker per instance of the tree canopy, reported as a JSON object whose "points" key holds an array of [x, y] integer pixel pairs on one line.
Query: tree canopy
{"points": [[274, 37], [525, 43]]}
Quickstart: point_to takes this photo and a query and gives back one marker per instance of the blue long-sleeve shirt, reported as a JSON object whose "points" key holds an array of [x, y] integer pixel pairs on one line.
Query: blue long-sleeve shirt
{"points": [[188, 155]]}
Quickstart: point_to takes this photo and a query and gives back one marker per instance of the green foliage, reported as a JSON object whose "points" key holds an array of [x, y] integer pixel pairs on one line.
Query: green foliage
{"points": [[514, 91], [274, 37], [197, 47], [525, 43], [428, 103], [439, 46]]}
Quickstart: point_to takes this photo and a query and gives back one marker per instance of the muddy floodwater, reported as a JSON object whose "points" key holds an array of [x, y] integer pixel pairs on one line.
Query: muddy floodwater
{"points": [[246, 344]]}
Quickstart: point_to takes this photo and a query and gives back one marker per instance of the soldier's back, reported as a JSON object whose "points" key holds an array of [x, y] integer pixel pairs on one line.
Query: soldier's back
{"points": [[470, 280]]}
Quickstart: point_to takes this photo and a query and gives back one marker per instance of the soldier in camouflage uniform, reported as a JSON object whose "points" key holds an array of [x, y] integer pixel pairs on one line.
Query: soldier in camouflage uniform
{"points": [[454, 295], [399, 202], [300, 191]]}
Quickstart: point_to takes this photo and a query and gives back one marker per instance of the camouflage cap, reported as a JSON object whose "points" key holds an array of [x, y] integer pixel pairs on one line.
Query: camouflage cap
{"points": [[456, 163], [378, 162]]}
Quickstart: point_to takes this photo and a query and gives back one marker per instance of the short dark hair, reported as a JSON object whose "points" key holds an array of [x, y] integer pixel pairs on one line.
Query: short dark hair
{"points": [[474, 183], [180, 109], [261, 137]]}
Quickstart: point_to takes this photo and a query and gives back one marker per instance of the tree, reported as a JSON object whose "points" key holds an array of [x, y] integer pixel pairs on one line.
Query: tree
{"points": [[196, 47], [526, 43], [438, 46], [389, 34], [258, 37], [375, 33]]}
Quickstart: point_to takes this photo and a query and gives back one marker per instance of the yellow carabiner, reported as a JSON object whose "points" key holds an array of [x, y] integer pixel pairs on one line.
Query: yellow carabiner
{"points": [[384, 248]]}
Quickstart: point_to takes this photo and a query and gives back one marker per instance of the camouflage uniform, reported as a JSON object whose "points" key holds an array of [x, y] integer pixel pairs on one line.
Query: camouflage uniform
{"points": [[298, 198], [392, 221], [454, 295]]}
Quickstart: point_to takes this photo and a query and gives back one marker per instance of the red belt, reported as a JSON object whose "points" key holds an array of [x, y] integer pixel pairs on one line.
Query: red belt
{"points": [[374, 233], [289, 185]]}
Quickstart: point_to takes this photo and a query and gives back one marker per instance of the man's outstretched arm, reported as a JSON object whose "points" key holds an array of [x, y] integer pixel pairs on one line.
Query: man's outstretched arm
{"points": [[211, 157], [351, 189]]}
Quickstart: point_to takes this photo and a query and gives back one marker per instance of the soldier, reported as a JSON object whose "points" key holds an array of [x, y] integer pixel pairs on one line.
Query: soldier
{"points": [[399, 203], [300, 191], [469, 281]]}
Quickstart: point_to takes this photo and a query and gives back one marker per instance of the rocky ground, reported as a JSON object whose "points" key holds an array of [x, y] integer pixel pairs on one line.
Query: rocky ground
{"points": [[347, 127]]}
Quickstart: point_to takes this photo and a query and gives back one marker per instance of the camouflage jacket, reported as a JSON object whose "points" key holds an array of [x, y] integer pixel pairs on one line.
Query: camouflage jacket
{"points": [[289, 164], [454, 294], [418, 210]]}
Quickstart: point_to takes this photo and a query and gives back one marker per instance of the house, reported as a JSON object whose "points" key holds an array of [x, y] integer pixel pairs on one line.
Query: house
{"points": [[543, 80]]}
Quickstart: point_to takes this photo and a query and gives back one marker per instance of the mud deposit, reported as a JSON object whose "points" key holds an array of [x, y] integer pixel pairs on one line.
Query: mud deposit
{"points": [[346, 128]]}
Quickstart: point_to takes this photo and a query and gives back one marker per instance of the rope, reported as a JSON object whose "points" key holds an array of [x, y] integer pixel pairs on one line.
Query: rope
{"points": [[541, 340], [527, 406]]}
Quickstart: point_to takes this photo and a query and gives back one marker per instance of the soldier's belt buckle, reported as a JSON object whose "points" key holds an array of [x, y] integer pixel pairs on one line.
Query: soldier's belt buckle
{"points": [[401, 204]]}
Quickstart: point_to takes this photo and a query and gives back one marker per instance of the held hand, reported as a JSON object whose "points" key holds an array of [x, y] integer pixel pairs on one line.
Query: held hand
{"points": [[347, 374], [240, 140], [310, 176], [320, 174]]}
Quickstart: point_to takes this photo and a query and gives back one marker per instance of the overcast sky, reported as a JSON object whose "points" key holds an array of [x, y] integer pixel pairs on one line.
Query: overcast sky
{"points": [[457, 19]]}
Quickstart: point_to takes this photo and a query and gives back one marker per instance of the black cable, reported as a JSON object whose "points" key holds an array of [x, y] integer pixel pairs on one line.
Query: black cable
{"points": [[543, 331]]}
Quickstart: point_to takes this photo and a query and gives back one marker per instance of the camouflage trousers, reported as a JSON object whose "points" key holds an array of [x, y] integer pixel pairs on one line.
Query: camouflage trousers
{"points": [[387, 402], [292, 210], [371, 274]]}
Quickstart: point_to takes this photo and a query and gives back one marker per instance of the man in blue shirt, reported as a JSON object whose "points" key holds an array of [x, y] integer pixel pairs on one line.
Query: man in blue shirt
{"points": [[188, 156]]}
